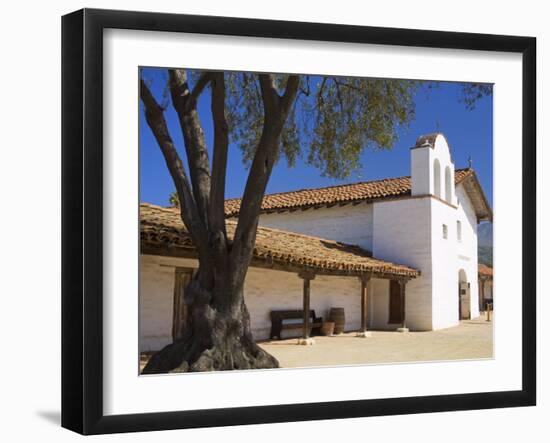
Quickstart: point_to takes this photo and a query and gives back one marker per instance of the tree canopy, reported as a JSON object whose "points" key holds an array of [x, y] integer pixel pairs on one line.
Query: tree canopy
{"points": [[330, 122]]}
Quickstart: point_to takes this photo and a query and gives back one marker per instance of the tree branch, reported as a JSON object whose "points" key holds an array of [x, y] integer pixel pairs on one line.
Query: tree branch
{"points": [[307, 90], [189, 213], [276, 111], [290, 93], [202, 82], [270, 96], [195, 146], [320, 100], [339, 96], [219, 163], [249, 214], [345, 84]]}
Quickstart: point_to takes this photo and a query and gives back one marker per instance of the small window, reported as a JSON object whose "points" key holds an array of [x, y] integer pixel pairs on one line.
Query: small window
{"points": [[445, 231], [459, 230]]}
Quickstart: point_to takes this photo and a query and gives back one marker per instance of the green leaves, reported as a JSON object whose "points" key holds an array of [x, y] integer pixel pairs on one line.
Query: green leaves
{"points": [[331, 122], [353, 114], [472, 92]]}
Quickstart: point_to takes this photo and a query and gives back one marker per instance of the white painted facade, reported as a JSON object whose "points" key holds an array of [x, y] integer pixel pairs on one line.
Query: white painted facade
{"points": [[265, 290], [408, 231], [403, 235]]}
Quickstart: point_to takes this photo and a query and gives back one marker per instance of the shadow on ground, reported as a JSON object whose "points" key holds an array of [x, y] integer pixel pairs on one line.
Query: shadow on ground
{"points": [[53, 417]]}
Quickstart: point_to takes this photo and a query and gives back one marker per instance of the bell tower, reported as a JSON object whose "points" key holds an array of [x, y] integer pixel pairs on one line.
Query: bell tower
{"points": [[432, 169]]}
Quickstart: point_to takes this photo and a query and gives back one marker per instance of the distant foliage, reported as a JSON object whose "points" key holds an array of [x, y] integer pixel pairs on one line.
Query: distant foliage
{"points": [[473, 92], [485, 255]]}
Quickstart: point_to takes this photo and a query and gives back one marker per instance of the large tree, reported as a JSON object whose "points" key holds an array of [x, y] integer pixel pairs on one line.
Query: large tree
{"points": [[330, 120]]}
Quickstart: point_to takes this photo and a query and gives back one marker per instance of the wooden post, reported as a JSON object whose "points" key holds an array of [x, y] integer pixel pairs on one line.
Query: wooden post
{"points": [[364, 295], [402, 283], [305, 332], [479, 295], [364, 305], [482, 281], [307, 277]]}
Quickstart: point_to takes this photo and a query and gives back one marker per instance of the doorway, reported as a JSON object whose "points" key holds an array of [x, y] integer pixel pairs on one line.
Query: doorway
{"points": [[396, 303], [179, 311], [464, 311]]}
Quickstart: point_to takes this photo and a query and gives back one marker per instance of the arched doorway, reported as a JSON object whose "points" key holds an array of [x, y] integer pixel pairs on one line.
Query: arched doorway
{"points": [[463, 296]]}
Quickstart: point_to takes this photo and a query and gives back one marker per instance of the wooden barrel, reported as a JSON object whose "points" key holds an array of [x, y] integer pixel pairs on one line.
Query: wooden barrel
{"points": [[327, 328], [337, 316]]}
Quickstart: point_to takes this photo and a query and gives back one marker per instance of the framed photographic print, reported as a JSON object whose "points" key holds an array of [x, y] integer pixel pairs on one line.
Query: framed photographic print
{"points": [[270, 221]]}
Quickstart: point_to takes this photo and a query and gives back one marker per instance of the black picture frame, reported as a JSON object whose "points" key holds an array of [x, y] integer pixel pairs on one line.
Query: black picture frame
{"points": [[82, 218]]}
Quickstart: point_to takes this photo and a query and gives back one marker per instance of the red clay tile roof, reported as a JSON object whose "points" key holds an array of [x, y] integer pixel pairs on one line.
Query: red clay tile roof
{"points": [[485, 270], [162, 232], [356, 192]]}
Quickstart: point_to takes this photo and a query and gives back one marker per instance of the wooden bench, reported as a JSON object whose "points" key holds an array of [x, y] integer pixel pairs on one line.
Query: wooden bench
{"points": [[293, 319]]}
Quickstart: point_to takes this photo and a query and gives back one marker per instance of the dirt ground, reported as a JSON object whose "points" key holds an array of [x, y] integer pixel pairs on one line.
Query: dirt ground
{"points": [[472, 339]]}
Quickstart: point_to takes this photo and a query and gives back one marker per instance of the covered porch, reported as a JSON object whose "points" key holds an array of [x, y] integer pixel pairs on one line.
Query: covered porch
{"points": [[485, 285], [396, 311], [325, 270]]}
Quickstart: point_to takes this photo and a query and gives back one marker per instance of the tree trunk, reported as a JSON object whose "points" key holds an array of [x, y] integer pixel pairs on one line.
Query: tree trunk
{"points": [[216, 337]]}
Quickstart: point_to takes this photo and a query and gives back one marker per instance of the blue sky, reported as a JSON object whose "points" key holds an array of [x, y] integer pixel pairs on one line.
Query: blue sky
{"points": [[469, 133]]}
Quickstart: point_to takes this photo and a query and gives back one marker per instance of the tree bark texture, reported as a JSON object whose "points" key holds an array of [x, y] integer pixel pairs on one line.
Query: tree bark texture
{"points": [[218, 334], [214, 340]]}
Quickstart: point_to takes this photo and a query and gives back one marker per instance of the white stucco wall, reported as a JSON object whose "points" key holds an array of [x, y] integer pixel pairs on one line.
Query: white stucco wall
{"points": [[422, 174], [275, 290], [448, 255], [265, 290], [348, 224], [402, 234], [379, 306], [422, 170], [432, 299], [445, 300], [467, 249], [156, 298], [410, 231]]}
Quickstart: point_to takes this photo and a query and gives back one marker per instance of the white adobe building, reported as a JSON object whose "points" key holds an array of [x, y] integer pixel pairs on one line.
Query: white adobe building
{"points": [[414, 264]]}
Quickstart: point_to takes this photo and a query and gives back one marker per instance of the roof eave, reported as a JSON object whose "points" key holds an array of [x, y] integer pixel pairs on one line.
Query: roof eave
{"points": [[277, 264], [471, 183]]}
